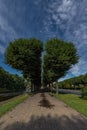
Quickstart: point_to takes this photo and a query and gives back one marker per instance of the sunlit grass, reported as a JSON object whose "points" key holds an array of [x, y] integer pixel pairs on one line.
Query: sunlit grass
{"points": [[11, 104], [74, 101]]}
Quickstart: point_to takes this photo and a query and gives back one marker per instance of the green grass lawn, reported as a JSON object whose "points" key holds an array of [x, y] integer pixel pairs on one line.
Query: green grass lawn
{"points": [[11, 104], [74, 101]]}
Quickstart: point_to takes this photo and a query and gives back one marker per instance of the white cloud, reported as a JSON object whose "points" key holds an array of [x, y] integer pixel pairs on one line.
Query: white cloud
{"points": [[75, 70], [6, 29], [80, 68], [65, 6]]}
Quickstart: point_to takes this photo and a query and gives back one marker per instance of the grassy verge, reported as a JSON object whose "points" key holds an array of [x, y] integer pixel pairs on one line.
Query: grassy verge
{"points": [[11, 104], [74, 101]]}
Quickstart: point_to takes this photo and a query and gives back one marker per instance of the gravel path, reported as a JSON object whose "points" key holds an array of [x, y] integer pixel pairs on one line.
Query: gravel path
{"points": [[43, 112]]}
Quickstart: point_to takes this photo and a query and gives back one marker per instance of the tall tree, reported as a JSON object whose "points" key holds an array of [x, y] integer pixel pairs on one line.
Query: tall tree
{"points": [[25, 55], [59, 58]]}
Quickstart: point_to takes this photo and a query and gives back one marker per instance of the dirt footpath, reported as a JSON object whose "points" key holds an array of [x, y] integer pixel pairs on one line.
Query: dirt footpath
{"points": [[43, 112]]}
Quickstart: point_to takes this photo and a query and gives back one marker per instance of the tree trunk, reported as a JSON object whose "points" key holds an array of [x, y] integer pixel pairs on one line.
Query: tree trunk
{"points": [[28, 87], [31, 88], [57, 88], [51, 87]]}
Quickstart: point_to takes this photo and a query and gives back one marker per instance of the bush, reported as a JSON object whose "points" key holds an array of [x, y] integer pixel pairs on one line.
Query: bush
{"points": [[84, 93]]}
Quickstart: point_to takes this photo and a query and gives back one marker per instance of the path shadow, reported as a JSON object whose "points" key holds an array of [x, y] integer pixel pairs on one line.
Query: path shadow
{"points": [[44, 102], [50, 123]]}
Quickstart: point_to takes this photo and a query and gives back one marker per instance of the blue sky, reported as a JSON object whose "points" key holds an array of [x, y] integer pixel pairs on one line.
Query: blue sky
{"points": [[45, 19]]}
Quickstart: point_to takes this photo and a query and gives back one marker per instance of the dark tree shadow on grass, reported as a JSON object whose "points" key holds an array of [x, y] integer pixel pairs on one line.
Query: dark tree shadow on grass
{"points": [[50, 123]]}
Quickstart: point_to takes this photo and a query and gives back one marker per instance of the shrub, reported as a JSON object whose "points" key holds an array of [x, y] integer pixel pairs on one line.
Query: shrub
{"points": [[84, 93]]}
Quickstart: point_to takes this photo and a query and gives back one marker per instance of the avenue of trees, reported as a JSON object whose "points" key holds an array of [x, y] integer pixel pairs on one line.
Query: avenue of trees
{"points": [[74, 83], [25, 55], [10, 82]]}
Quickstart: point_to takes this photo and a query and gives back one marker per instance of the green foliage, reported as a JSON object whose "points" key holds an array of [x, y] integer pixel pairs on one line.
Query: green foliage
{"points": [[10, 82], [74, 83], [59, 58], [84, 93], [75, 102], [25, 55]]}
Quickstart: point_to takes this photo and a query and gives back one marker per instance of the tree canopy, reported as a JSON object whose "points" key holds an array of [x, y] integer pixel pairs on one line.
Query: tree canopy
{"points": [[25, 55], [59, 58]]}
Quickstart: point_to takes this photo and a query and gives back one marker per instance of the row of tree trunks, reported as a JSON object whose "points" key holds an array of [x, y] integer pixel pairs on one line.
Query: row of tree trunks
{"points": [[32, 88], [57, 87]]}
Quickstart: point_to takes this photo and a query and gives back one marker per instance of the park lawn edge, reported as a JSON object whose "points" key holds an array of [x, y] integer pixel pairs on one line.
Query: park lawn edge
{"points": [[74, 101], [12, 104]]}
